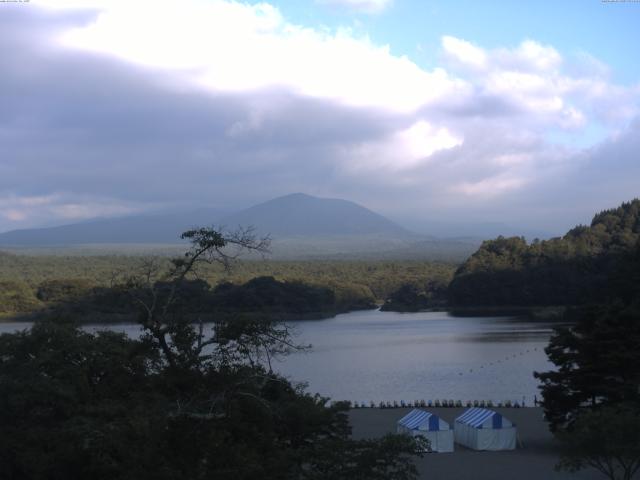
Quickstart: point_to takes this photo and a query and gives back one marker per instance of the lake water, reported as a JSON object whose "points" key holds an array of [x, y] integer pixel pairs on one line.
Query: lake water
{"points": [[385, 356]]}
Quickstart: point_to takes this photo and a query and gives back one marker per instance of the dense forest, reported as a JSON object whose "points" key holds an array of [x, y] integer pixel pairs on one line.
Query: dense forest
{"points": [[89, 284], [590, 264], [431, 295], [591, 398]]}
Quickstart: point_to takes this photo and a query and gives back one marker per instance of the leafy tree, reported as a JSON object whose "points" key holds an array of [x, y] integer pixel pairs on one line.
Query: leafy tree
{"points": [[592, 399], [607, 439], [597, 360], [573, 270], [63, 290], [408, 298], [16, 297], [74, 405], [270, 296], [180, 402], [387, 458]]}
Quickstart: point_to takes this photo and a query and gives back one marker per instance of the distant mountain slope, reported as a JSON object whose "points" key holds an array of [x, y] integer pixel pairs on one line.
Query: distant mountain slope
{"points": [[475, 230], [157, 229], [302, 227], [303, 215], [295, 215]]}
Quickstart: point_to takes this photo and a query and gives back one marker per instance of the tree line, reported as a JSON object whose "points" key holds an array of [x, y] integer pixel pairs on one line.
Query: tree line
{"points": [[31, 284], [588, 264]]}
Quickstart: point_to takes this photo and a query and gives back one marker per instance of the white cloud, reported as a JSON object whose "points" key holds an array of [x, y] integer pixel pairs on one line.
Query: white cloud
{"points": [[366, 6], [533, 78], [530, 55], [14, 215], [464, 52], [489, 187], [19, 208], [226, 46], [32, 209], [310, 106], [421, 140], [232, 47], [403, 150]]}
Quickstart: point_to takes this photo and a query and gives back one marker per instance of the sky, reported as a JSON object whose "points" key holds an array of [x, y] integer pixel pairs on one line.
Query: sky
{"points": [[524, 113]]}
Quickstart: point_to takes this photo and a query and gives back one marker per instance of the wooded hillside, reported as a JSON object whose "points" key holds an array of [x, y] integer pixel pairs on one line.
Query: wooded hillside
{"points": [[587, 265]]}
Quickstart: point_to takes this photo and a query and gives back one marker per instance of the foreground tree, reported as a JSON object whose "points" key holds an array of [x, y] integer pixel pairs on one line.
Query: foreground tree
{"points": [[592, 399], [181, 402], [607, 439], [598, 363]]}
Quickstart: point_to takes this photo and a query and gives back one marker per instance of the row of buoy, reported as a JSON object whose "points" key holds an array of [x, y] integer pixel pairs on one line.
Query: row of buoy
{"points": [[437, 404], [506, 359]]}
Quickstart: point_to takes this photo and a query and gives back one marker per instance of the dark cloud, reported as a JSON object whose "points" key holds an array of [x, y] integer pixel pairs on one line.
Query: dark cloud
{"points": [[608, 174], [80, 129], [479, 105], [90, 125]]}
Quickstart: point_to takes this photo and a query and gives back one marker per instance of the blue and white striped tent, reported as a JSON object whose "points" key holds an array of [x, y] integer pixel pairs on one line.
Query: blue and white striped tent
{"points": [[430, 426], [482, 429]]}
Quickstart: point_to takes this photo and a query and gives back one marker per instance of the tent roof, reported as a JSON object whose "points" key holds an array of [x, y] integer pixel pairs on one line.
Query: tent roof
{"points": [[417, 418], [476, 417]]}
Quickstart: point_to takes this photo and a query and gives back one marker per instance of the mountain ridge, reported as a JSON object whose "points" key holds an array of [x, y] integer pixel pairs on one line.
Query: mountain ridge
{"points": [[295, 214], [299, 214]]}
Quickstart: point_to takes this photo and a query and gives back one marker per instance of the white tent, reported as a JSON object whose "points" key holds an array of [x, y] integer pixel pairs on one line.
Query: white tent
{"points": [[430, 426], [481, 429]]}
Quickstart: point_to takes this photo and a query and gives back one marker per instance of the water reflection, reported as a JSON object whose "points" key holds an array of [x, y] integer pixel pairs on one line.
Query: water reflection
{"points": [[374, 356]]}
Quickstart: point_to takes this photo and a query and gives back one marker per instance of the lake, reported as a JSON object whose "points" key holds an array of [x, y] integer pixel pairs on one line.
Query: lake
{"points": [[384, 356]]}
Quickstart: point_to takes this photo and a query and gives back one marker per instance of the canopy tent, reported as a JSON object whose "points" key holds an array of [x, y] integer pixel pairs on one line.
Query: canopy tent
{"points": [[482, 429], [430, 426]]}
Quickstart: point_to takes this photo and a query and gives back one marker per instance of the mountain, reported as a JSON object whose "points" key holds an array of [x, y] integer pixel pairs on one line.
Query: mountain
{"points": [[303, 215], [302, 227], [158, 229], [296, 215]]}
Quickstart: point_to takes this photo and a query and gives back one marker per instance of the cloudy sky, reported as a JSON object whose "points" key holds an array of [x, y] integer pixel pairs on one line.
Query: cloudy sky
{"points": [[526, 113]]}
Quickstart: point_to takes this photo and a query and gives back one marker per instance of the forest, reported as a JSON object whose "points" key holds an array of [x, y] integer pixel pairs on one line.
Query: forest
{"points": [[90, 284], [589, 264]]}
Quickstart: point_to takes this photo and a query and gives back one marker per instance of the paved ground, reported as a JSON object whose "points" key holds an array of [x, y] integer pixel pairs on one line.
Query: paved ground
{"points": [[534, 460]]}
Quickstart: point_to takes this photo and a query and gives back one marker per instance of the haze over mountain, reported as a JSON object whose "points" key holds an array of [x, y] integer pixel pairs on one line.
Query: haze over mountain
{"points": [[476, 229], [291, 215], [301, 227], [158, 229]]}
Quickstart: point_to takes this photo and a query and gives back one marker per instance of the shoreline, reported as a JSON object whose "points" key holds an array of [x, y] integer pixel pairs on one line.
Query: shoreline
{"points": [[541, 314], [101, 318]]}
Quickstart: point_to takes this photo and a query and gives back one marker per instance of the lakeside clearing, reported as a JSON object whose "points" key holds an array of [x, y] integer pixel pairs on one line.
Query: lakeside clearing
{"points": [[533, 460]]}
